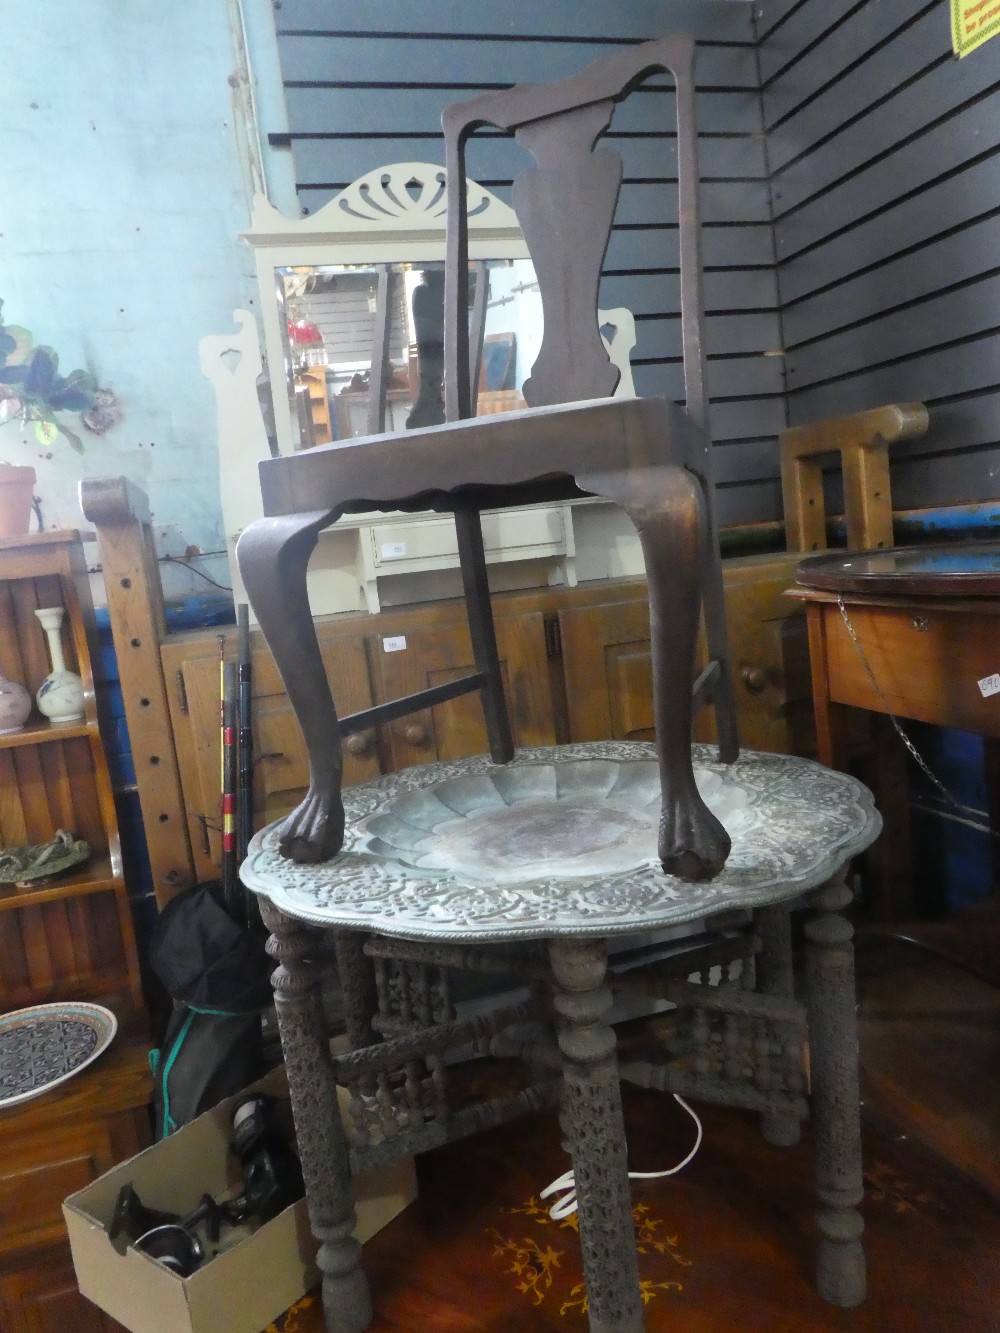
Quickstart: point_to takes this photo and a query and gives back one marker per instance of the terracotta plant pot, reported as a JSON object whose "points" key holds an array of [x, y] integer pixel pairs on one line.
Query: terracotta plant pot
{"points": [[17, 486]]}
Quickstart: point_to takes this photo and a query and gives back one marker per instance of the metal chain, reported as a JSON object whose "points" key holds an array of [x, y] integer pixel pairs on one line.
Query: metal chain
{"points": [[949, 797]]}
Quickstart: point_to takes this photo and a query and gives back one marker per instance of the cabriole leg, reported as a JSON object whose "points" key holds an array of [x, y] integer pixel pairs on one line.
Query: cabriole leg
{"points": [[318, 1129], [595, 1128]]}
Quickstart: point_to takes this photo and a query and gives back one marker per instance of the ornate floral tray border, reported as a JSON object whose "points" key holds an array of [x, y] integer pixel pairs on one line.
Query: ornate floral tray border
{"points": [[800, 822]]}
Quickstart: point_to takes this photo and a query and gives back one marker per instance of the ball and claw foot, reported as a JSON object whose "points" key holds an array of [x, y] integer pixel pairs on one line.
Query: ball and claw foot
{"points": [[314, 831], [693, 844]]}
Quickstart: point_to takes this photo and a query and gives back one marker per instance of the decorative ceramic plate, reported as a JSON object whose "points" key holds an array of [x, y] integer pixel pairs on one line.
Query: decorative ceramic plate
{"points": [[563, 841], [43, 1046]]}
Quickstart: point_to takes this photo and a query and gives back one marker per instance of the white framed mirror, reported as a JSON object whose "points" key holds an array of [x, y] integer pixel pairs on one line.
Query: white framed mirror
{"points": [[339, 286]]}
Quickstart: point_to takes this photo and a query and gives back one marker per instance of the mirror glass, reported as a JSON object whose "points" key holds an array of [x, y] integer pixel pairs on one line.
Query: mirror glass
{"points": [[345, 327]]}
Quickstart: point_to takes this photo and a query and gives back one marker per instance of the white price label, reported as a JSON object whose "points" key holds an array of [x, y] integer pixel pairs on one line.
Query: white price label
{"points": [[393, 550], [394, 645], [989, 685]]}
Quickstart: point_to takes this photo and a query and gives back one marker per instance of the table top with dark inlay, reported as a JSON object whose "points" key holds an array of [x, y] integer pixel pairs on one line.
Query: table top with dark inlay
{"points": [[961, 569]]}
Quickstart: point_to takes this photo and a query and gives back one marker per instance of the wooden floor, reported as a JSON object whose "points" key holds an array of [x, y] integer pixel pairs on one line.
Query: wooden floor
{"points": [[728, 1243]]}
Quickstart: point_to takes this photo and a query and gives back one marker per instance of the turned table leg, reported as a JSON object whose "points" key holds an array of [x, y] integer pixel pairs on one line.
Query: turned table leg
{"points": [[319, 1132], [836, 1098], [775, 976], [595, 1128]]}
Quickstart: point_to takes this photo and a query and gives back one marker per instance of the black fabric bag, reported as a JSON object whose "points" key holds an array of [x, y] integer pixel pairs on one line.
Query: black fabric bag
{"points": [[218, 976]]}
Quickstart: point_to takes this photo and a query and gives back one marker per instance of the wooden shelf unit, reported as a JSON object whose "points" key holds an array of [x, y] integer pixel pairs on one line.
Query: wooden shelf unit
{"points": [[72, 938]]}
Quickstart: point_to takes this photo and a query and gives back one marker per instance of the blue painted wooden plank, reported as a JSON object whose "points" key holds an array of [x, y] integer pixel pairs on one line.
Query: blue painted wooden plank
{"points": [[947, 521], [484, 62], [656, 247], [335, 162], [770, 17], [584, 19], [915, 50], [810, 25], [916, 274], [757, 501], [720, 201], [380, 110], [856, 39], [656, 293], [949, 478], [745, 461], [809, 257], [725, 335], [943, 373], [753, 417], [970, 310], [869, 145]]}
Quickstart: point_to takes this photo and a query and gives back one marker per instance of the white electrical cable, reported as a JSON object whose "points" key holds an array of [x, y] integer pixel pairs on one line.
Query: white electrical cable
{"points": [[566, 1184]]}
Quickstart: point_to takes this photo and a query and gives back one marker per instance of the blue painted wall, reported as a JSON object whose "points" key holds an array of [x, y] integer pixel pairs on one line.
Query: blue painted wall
{"points": [[123, 186]]}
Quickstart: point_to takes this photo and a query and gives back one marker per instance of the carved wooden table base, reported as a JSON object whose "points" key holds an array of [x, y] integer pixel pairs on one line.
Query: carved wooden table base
{"points": [[794, 827]]}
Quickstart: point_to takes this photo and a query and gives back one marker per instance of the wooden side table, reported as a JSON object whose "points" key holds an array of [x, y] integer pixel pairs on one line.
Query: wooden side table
{"points": [[912, 632]]}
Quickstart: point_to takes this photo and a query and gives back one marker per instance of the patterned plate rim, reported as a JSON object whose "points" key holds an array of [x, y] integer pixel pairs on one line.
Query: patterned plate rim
{"points": [[104, 1021]]}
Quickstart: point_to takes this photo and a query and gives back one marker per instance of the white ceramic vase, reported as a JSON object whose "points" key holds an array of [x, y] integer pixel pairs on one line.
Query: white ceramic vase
{"points": [[15, 705], [60, 695]]}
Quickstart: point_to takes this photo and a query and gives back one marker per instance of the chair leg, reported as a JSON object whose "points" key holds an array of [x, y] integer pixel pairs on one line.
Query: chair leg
{"points": [[595, 1129], [836, 1099], [775, 977], [273, 555], [319, 1132]]}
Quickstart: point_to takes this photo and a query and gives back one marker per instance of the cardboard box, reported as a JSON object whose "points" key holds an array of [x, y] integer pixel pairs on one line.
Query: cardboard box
{"points": [[256, 1275]]}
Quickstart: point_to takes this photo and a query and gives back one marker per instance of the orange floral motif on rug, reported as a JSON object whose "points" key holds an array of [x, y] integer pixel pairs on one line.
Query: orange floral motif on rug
{"points": [[544, 1262]]}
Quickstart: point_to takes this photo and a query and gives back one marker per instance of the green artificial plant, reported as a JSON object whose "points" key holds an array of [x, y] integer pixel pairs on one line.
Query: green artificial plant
{"points": [[31, 388]]}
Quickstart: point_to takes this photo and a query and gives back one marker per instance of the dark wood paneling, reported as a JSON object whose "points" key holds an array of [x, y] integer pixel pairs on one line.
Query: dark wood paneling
{"points": [[886, 196]]}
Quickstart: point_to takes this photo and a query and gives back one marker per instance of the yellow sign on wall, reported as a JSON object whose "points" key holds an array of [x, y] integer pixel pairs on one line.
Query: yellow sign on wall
{"points": [[972, 23]]}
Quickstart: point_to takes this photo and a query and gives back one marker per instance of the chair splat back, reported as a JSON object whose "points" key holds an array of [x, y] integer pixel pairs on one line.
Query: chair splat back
{"points": [[566, 206]]}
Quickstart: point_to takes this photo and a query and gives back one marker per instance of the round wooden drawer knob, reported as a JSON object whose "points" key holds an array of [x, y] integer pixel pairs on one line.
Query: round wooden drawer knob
{"points": [[754, 678], [416, 734], [361, 744]]}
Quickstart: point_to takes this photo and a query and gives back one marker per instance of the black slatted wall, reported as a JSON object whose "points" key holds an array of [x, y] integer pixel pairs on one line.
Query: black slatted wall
{"points": [[366, 83], [884, 153]]}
